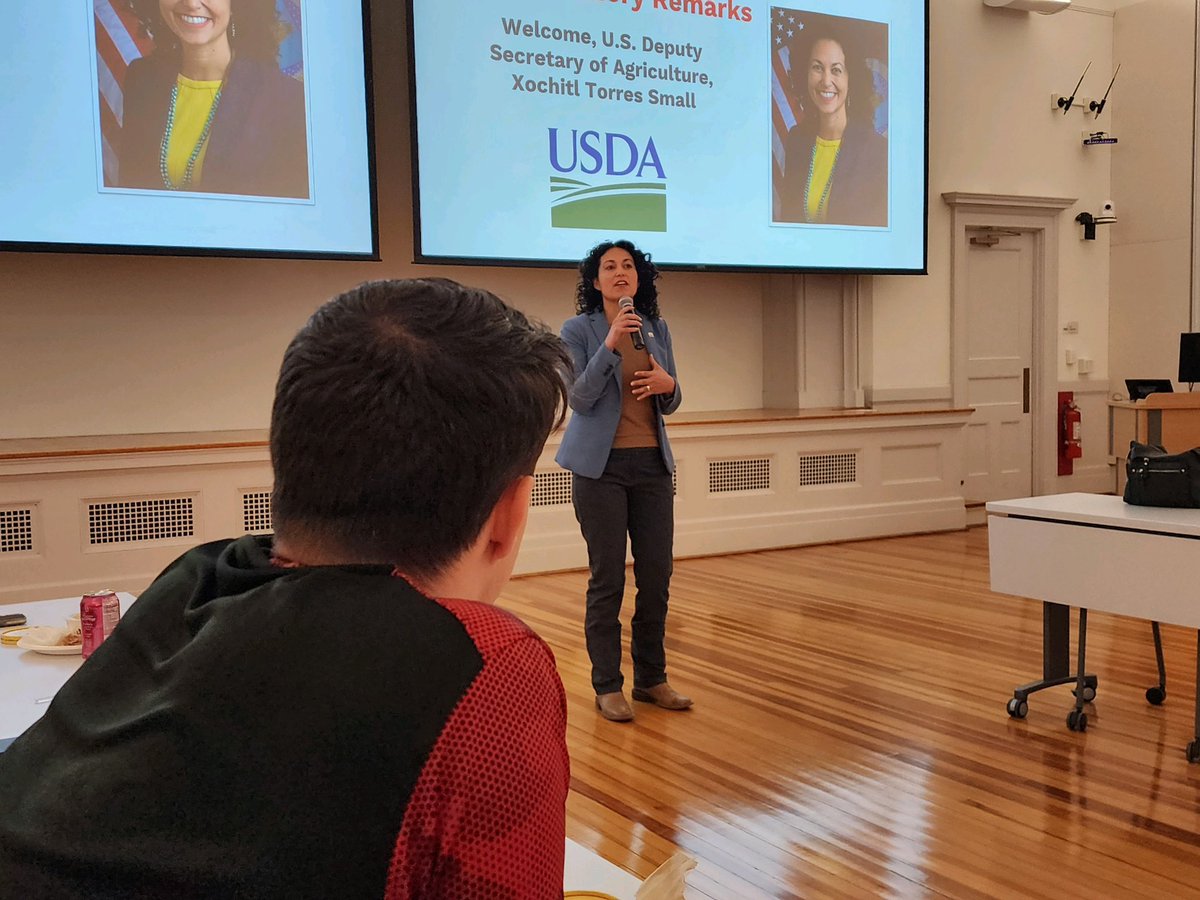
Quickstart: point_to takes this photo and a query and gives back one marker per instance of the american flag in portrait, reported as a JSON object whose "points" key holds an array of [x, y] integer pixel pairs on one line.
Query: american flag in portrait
{"points": [[787, 110], [119, 41]]}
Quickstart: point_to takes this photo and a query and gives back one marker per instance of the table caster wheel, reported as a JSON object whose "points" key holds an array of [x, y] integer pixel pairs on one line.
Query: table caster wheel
{"points": [[1018, 709], [1155, 696], [1076, 720], [1193, 752]]}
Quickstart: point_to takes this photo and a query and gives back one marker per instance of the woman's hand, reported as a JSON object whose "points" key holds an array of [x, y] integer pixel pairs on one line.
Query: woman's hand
{"points": [[626, 321], [656, 380]]}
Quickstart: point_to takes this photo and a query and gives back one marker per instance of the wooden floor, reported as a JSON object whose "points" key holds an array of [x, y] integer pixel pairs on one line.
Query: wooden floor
{"points": [[849, 737]]}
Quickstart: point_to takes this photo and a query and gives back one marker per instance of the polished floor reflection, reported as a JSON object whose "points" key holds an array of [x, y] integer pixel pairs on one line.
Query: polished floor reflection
{"points": [[850, 738]]}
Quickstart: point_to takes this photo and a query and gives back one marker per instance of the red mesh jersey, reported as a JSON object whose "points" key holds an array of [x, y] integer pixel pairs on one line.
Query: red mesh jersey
{"points": [[486, 819]]}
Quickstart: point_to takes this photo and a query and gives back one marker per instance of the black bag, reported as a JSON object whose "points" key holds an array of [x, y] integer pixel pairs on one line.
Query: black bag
{"points": [[1158, 478]]}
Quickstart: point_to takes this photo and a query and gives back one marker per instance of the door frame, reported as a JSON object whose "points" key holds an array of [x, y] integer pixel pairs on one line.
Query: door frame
{"points": [[1038, 216]]}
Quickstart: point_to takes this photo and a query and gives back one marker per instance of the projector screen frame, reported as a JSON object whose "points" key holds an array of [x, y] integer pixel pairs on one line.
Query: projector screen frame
{"points": [[422, 258], [372, 255]]}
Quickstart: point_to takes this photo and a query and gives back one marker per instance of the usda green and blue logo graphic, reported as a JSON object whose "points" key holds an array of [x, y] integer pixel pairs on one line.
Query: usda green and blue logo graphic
{"points": [[637, 201]]}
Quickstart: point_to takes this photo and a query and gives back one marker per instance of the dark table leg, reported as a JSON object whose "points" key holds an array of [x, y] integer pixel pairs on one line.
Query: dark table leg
{"points": [[1056, 641], [1077, 718], [1056, 660], [1193, 749], [1157, 694]]}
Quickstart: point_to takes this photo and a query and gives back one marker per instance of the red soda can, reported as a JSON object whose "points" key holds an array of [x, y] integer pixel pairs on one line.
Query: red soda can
{"points": [[99, 613]]}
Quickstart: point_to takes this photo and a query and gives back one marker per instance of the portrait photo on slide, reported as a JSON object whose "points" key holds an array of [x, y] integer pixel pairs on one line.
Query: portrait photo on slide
{"points": [[829, 119], [204, 98]]}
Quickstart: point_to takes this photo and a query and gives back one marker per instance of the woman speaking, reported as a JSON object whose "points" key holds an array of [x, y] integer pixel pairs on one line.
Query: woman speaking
{"points": [[209, 109], [835, 163], [616, 447]]}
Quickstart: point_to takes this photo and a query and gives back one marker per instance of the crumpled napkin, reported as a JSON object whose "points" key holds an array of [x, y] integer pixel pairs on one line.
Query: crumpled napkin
{"points": [[45, 635], [667, 881]]}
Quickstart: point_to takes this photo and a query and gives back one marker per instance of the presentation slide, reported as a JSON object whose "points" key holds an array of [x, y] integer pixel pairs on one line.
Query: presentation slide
{"points": [[713, 134], [225, 126]]}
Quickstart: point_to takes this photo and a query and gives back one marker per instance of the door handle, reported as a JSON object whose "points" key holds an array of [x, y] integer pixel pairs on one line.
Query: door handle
{"points": [[1025, 390]]}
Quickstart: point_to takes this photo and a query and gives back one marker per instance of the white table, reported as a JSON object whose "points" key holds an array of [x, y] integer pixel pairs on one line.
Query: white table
{"points": [[586, 870], [1096, 552], [31, 679]]}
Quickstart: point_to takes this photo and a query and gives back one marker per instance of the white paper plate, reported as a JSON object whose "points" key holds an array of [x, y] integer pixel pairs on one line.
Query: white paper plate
{"points": [[45, 640]]}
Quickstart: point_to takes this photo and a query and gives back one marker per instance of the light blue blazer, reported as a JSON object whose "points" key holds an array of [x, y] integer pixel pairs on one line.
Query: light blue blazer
{"points": [[597, 393]]}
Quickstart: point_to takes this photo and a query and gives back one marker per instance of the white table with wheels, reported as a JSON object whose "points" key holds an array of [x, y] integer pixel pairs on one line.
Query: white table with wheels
{"points": [[1096, 552]]}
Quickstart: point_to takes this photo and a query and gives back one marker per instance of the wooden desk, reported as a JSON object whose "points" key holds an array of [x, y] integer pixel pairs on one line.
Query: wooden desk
{"points": [[1096, 552], [1169, 420]]}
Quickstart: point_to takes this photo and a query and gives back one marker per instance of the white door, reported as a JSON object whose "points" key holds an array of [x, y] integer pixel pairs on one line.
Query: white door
{"points": [[1000, 299]]}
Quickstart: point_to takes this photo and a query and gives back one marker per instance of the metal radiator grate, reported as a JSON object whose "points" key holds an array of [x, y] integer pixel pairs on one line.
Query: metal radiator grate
{"points": [[16, 530], [552, 487], [256, 511], [131, 521], [729, 475], [828, 468]]}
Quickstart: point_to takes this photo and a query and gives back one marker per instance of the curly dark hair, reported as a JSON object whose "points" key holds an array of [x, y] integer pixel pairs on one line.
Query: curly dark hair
{"points": [[588, 299], [259, 29]]}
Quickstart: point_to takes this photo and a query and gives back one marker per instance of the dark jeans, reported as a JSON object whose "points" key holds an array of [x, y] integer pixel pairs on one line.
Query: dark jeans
{"points": [[634, 496]]}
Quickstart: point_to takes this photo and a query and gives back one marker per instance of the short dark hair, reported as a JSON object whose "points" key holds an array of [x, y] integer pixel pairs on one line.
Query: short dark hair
{"points": [[259, 29], [588, 299], [404, 409]]}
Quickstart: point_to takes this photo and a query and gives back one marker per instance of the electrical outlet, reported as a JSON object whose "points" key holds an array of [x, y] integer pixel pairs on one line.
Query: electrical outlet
{"points": [[1071, 327], [1085, 366]]}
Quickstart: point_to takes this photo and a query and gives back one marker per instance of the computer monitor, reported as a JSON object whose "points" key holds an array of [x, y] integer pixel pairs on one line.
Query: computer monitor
{"points": [[1189, 358], [1141, 388]]}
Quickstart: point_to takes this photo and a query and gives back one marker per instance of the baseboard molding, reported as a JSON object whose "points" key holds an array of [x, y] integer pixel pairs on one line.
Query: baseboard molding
{"points": [[743, 483], [565, 550]]}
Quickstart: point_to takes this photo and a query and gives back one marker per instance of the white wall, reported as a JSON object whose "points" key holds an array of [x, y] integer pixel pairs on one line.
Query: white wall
{"points": [[110, 344], [113, 344], [991, 130], [1152, 187]]}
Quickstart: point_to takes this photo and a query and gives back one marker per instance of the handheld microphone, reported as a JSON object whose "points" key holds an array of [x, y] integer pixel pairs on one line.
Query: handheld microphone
{"points": [[639, 342]]}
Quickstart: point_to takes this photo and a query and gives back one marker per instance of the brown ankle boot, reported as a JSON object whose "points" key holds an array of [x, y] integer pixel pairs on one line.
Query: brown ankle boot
{"points": [[662, 695], [614, 707]]}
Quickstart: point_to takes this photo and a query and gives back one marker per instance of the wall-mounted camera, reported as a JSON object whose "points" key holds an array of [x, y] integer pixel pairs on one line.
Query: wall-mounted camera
{"points": [[1107, 214]]}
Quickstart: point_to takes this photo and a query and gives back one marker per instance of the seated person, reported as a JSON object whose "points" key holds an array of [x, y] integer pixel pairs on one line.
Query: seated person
{"points": [[336, 711]]}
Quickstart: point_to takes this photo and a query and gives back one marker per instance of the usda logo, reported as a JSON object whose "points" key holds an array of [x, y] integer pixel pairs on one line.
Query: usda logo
{"points": [[635, 202]]}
